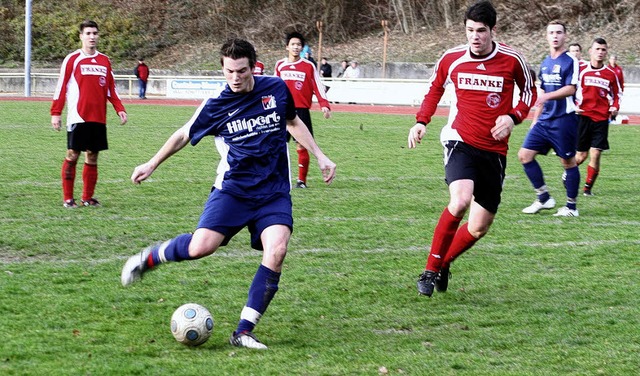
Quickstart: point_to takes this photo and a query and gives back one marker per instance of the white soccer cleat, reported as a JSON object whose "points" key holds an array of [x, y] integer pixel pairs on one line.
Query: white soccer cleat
{"points": [[537, 206], [135, 266], [566, 212], [246, 339]]}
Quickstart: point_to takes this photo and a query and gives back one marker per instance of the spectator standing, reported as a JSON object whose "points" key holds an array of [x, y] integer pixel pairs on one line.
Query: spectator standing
{"points": [[325, 68], [344, 64], [142, 72], [86, 82], [598, 100], [303, 80], [252, 188], [352, 71], [475, 139], [554, 124]]}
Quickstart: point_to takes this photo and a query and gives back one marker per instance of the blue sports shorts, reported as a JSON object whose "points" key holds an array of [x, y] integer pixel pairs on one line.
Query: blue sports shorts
{"points": [[228, 214], [561, 134]]}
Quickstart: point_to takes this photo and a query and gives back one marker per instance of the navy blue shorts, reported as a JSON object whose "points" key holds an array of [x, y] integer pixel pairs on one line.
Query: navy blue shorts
{"points": [[485, 168], [228, 214], [561, 134], [87, 136]]}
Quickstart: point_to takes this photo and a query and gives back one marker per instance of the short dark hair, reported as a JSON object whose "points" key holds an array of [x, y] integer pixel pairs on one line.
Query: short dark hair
{"points": [[87, 23], [236, 48], [292, 35], [599, 40], [576, 45], [483, 12]]}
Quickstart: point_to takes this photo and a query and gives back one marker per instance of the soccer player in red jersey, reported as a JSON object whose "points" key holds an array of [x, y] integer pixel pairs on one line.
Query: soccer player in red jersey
{"points": [[484, 74], [303, 80], [598, 98], [86, 82], [258, 70], [613, 64]]}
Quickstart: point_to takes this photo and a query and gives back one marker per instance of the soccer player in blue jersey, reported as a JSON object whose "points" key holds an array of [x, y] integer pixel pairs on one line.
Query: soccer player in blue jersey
{"points": [[554, 125], [249, 120]]}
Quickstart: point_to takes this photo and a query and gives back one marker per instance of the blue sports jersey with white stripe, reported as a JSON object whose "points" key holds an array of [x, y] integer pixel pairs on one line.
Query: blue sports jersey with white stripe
{"points": [[554, 74], [250, 135]]}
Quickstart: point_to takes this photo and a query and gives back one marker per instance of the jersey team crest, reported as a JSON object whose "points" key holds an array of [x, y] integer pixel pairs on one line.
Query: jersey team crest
{"points": [[268, 102]]}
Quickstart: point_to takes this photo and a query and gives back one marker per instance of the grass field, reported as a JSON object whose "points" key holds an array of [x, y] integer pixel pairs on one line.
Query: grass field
{"points": [[539, 295]]}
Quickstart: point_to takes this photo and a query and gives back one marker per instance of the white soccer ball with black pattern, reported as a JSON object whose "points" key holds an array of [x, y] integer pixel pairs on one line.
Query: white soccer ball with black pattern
{"points": [[191, 324]]}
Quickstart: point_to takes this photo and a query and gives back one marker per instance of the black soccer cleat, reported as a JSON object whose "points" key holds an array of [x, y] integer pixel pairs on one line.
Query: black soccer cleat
{"points": [[426, 282], [442, 280]]}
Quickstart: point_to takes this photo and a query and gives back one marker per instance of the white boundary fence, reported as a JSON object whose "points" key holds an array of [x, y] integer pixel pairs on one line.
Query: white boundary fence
{"points": [[360, 91]]}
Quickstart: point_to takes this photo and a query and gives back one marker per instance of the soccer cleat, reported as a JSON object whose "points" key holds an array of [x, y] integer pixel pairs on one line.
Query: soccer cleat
{"points": [[70, 204], [537, 206], [587, 192], [426, 282], [566, 212], [442, 280], [135, 267], [246, 339], [301, 184], [91, 202]]}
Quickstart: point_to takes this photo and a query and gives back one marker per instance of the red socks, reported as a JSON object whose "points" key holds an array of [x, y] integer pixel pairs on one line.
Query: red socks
{"points": [[442, 238], [461, 242], [68, 175], [592, 174], [303, 164], [89, 178]]}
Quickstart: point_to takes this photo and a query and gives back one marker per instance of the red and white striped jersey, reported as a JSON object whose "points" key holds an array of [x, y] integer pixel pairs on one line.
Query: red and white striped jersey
{"points": [[484, 89], [303, 81], [598, 90], [86, 83], [618, 71], [258, 70]]}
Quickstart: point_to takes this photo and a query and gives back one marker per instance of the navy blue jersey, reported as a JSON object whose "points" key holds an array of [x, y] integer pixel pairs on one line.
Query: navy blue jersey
{"points": [[250, 135], [555, 74]]}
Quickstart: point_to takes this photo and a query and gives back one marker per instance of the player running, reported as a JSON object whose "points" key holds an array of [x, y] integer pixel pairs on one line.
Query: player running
{"points": [[598, 100], [303, 80], [484, 74], [554, 125]]}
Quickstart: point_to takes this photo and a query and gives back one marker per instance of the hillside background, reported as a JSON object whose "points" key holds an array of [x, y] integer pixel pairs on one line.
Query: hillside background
{"points": [[184, 35]]}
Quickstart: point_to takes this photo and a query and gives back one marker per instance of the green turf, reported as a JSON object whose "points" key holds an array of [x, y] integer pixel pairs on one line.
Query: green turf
{"points": [[538, 295]]}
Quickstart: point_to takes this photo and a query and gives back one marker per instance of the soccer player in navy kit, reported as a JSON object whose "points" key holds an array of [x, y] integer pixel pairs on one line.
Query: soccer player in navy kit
{"points": [[249, 120], [475, 139], [555, 124]]}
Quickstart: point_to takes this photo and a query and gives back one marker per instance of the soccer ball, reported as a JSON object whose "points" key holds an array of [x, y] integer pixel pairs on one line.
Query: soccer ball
{"points": [[191, 324]]}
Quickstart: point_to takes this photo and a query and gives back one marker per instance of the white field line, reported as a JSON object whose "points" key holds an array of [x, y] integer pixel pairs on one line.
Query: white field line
{"points": [[244, 253]]}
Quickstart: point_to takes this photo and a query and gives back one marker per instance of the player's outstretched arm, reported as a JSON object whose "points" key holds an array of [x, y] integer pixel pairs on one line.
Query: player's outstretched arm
{"points": [[301, 133], [175, 143], [415, 134]]}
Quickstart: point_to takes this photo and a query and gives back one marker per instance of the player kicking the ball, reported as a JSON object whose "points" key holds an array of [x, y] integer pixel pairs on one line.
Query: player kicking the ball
{"points": [[484, 74], [249, 120]]}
